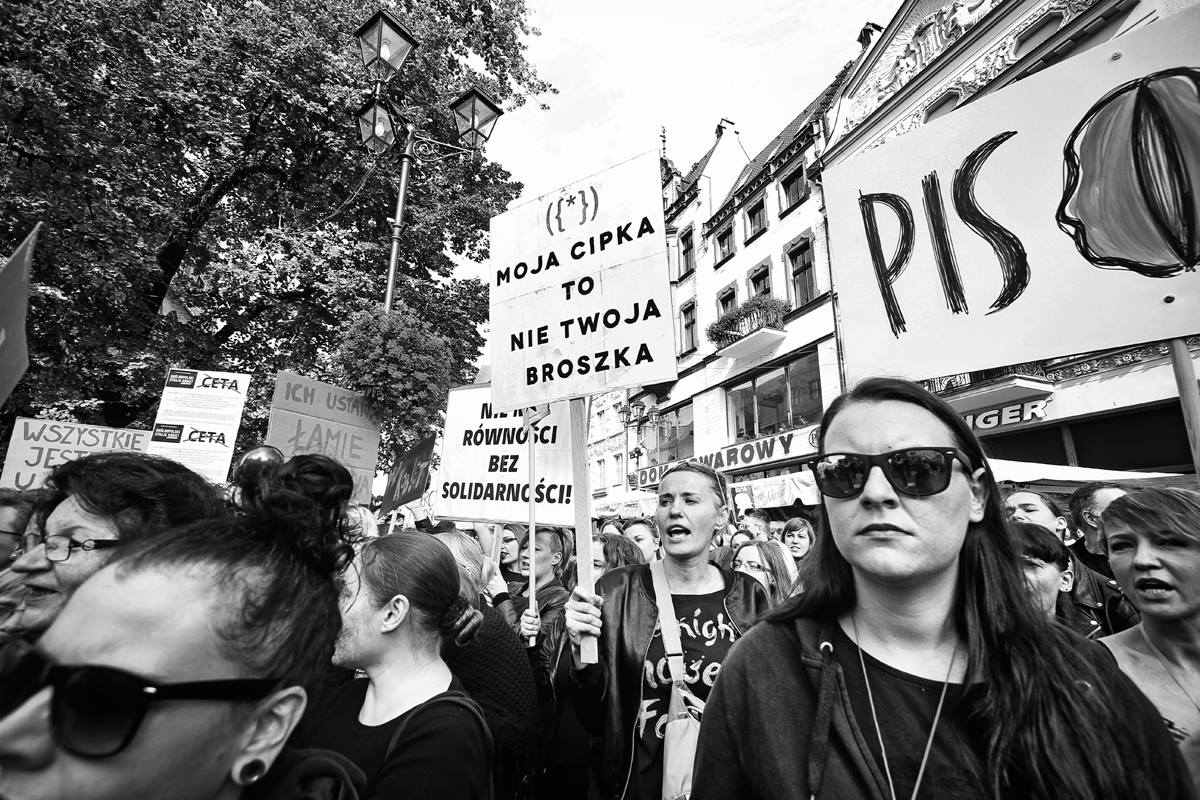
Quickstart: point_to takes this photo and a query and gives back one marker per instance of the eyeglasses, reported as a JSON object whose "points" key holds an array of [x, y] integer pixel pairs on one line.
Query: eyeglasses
{"points": [[59, 548], [913, 471], [753, 566], [96, 711]]}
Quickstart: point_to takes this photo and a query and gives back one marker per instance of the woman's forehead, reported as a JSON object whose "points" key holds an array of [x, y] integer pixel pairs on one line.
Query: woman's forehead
{"points": [[686, 482], [885, 425]]}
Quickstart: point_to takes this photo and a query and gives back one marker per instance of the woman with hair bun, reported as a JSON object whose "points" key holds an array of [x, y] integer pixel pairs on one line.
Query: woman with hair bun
{"points": [[409, 725], [179, 669]]}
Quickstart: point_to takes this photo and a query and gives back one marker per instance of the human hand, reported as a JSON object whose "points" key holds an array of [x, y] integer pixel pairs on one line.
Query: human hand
{"points": [[583, 615], [531, 623]]}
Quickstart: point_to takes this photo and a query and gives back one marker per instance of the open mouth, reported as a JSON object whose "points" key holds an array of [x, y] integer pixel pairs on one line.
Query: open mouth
{"points": [[1153, 587], [677, 532], [37, 592]]}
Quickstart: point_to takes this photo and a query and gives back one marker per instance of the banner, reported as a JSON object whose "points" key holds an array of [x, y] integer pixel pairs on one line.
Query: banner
{"points": [[14, 306], [409, 479], [1058, 215], [198, 420], [484, 469], [580, 290], [311, 416], [39, 445]]}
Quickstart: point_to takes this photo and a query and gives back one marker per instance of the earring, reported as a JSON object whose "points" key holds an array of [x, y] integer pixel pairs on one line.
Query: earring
{"points": [[252, 772]]}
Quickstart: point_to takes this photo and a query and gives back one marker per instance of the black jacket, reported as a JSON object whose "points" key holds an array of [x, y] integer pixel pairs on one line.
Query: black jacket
{"points": [[779, 724], [1100, 599], [551, 597], [608, 695]]}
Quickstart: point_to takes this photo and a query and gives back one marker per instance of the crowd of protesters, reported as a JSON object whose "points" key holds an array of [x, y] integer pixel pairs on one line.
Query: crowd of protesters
{"points": [[919, 633]]}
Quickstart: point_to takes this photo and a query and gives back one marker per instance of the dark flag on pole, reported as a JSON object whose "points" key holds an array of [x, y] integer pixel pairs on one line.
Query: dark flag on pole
{"points": [[14, 305], [410, 477]]}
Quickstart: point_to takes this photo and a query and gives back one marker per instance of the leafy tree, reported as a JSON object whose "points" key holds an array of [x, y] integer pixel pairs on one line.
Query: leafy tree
{"points": [[208, 204]]}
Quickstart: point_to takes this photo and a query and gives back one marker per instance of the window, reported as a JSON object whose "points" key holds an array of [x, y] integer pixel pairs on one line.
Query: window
{"points": [[727, 300], [795, 189], [598, 473], [618, 472], [756, 219], [760, 280], [600, 422], [688, 315], [780, 399], [804, 285], [724, 241], [687, 253], [673, 437]]}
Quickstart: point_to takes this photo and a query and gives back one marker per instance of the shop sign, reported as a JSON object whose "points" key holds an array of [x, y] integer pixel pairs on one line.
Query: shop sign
{"points": [[990, 236], [790, 444], [1006, 415]]}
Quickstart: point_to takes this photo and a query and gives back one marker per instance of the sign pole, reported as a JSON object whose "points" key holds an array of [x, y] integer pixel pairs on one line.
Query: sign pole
{"points": [[589, 646], [533, 606], [392, 523], [1189, 396]]}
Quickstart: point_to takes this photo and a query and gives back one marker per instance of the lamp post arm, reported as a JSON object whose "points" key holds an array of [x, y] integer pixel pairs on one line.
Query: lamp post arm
{"points": [[406, 160], [427, 149]]}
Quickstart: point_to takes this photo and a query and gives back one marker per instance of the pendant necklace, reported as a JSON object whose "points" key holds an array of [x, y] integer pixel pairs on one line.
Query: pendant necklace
{"points": [[1162, 660], [937, 715]]}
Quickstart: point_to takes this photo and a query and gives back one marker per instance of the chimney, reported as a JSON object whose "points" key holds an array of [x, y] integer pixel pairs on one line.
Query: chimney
{"points": [[866, 36]]}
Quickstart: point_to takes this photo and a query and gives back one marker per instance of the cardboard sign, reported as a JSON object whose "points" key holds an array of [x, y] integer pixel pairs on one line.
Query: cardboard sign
{"points": [[311, 416], [198, 420], [409, 479], [1055, 216], [14, 306], [484, 472], [39, 445], [580, 290]]}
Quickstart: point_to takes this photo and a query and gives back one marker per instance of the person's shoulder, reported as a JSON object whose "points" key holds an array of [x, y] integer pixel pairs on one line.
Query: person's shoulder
{"points": [[1129, 639], [620, 578], [450, 715], [769, 639]]}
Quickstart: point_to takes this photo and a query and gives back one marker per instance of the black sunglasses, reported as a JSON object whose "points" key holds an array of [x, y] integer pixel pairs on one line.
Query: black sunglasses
{"points": [[96, 711], [913, 471]]}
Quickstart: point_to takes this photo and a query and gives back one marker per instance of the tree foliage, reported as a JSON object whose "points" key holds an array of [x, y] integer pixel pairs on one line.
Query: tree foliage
{"points": [[208, 204]]}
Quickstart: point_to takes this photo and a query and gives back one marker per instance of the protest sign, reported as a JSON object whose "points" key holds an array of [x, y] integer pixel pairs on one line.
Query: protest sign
{"points": [[198, 419], [39, 445], [483, 473], [409, 479], [1054, 216], [14, 306], [580, 291], [311, 416]]}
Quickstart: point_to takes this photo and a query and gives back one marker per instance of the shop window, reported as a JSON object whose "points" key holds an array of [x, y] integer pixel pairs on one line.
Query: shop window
{"points": [[673, 437], [687, 316], [724, 242], [795, 190], [760, 280], [687, 253], [726, 300], [756, 219], [777, 400], [804, 284]]}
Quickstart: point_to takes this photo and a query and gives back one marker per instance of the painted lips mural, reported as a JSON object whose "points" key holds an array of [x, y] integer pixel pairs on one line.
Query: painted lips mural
{"points": [[1131, 197]]}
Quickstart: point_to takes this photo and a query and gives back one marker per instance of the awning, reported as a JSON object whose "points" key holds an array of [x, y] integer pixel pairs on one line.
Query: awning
{"points": [[780, 490], [632, 504], [1049, 476]]}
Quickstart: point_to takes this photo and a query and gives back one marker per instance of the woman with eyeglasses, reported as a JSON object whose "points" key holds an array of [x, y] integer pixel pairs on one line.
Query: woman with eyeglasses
{"points": [[626, 695], [179, 670], [763, 562], [92, 506], [915, 664], [1153, 538]]}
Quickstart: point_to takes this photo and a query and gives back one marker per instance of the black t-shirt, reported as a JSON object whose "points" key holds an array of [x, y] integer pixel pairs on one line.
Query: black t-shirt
{"points": [[441, 754], [905, 705], [706, 634]]}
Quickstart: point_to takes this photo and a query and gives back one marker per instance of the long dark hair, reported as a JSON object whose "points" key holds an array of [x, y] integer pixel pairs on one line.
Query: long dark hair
{"points": [[1045, 714]]}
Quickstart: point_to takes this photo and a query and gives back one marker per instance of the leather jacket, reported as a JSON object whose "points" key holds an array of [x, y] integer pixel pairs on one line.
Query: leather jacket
{"points": [[1100, 600], [551, 597], [608, 695]]}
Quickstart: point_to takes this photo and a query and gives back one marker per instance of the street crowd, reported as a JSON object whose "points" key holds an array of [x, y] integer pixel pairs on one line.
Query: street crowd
{"points": [[919, 634]]}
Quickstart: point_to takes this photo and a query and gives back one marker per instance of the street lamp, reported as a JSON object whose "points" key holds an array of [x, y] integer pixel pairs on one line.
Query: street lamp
{"points": [[384, 44]]}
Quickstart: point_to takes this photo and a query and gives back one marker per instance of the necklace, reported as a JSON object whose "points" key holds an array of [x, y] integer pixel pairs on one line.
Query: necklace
{"points": [[937, 715], [1162, 660]]}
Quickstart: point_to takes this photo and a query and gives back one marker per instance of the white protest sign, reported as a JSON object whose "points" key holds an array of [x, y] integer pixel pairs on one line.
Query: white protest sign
{"points": [[580, 291], [311, 416], [1056, 216], [39, 445], [484, 472], [198, 420]]}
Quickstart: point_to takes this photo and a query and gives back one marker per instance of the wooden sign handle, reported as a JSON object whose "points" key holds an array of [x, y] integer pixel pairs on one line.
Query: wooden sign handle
{"points": [[589, 649]]}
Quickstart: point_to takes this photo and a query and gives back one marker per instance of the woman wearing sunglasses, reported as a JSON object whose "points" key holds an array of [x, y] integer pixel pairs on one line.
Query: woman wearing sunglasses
{"points": [[914, 664], [180, 670]]}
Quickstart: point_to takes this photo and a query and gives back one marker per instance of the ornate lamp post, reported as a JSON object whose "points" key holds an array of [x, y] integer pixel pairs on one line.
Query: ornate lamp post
{"points": [[384, 44]]}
